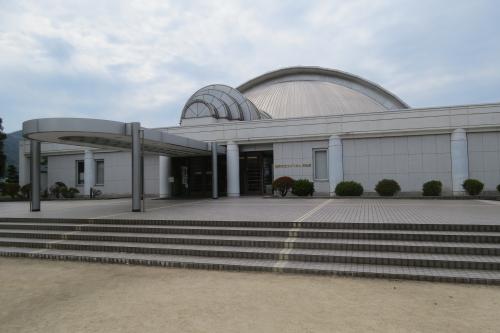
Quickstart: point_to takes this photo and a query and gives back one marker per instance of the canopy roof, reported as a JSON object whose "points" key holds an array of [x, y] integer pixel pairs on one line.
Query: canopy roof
{"points": [[109, 134]]}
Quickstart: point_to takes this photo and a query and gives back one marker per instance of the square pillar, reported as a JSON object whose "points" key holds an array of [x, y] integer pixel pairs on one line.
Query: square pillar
{"points": [[136, 167], [215, 178]]}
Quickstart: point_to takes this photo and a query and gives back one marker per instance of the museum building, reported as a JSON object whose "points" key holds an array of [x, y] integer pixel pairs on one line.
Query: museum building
{"points": [[311, 123]]}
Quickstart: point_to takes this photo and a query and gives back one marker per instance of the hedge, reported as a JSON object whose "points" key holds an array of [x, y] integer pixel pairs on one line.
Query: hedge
{"points": [[387, 187], [282, 185], [432, 188], [303, 187], [349, 189], [473, 186]]}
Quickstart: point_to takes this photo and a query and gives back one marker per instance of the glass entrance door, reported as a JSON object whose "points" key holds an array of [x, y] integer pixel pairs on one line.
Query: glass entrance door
{"points": [[255, 172]]}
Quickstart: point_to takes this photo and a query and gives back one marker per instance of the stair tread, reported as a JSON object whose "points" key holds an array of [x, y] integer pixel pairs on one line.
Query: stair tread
{"points": [[262, 239], [311, 230], [70, 221], [283, 251], [289, 266]]}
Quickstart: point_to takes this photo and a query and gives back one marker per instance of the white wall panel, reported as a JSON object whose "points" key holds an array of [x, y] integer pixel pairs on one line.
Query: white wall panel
{"points": [[117, 172], [295, 159], [484, 158], [411, 161], [62, 168]]}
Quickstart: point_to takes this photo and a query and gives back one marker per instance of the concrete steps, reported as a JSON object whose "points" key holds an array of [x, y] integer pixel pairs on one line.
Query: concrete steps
{"points": [[307, 255], [407, 235], [380, 271], [454, 253], [266, 224]]}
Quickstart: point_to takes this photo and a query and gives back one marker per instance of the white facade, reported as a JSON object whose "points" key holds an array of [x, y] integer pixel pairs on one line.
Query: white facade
{"points": [[378, 137], [410, 160], [484, 158]]}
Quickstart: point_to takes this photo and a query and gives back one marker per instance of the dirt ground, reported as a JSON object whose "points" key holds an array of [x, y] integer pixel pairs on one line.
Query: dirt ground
{"points": [[50, 296]]}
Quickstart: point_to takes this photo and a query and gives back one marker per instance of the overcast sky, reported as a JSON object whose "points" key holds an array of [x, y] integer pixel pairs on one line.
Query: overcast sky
{"points": [[141, 60]]}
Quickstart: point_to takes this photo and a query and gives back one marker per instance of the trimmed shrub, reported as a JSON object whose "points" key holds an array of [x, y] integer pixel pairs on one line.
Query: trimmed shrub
{"points": [[349, 189], [387, 187], [282, 185], [69, 192], [11, 189], [95, 192], [473, 186], [303, 187], [498, 187], [25, 191], [432, 188], [57, 189]]}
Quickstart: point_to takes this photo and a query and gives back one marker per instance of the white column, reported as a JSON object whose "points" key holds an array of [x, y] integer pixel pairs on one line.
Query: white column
{"points": [[335, 162], [24, 165], [88, 172], [459, 160], [35, 175], [233, 170], [164, 169]]}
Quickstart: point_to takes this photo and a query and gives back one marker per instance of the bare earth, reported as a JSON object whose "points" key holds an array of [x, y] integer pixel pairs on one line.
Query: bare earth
{"points": [[49, 296]]}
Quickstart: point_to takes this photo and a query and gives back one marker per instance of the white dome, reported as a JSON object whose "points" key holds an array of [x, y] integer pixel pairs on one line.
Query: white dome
{"points": [[311, 98], [313, 91]]}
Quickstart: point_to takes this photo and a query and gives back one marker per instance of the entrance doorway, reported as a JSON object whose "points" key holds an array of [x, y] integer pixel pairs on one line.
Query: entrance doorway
{"points": [[256, 172], [193, 176]]}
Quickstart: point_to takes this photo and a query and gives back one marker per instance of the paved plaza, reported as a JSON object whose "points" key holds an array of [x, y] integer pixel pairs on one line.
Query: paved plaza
{"points": [[266, 209]]}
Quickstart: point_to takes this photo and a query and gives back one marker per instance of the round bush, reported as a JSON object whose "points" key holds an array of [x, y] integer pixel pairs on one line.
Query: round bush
{"points": [[303, 187], [387, 187], [11, 189], [69, 192], [57, 189], [26, 190], [473, 186], [498, 187], [282, 185], [348, 189], [432, 188]]}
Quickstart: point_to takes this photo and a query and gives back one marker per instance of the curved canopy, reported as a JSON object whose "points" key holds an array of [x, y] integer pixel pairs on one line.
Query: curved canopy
{"points": [[220, 102], [111, 135], [315, 91]]}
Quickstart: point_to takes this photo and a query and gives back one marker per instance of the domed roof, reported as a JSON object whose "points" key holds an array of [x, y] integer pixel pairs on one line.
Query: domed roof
{"points": [[314, 91], [218, 101]]}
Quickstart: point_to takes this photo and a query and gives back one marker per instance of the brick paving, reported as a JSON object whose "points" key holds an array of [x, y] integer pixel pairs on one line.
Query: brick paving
{"points": [[260, 209]]}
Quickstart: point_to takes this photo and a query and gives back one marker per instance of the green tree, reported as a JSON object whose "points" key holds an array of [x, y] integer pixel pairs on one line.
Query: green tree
{"points": [[12, 175], [2, 155]]}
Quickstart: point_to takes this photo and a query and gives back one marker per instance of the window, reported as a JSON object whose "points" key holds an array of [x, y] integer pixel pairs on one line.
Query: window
{"points": [[320, 164], [99, 172], [80, 172]]}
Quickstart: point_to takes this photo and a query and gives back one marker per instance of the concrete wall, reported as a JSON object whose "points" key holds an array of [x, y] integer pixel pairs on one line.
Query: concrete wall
{"points": [[62, 168], [411, 161], [294, 159], [117, 172], [484, 158], [441, 120]]}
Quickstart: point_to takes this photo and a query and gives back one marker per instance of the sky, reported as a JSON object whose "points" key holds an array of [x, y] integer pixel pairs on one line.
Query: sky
{"points": [[142, 60]]}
